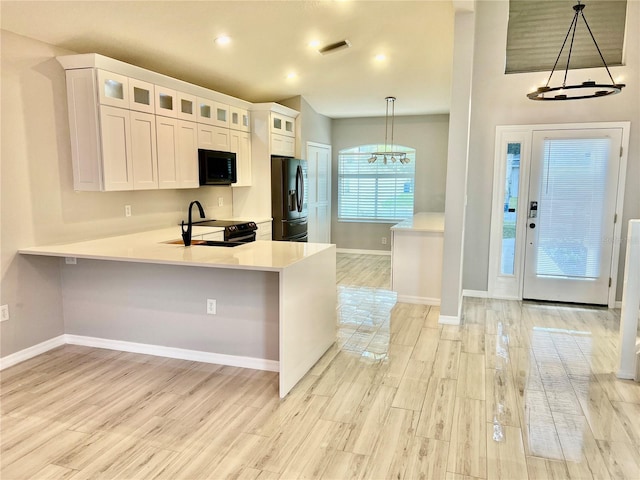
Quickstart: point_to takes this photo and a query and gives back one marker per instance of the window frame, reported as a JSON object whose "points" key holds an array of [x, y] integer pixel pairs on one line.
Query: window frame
{"points": [[362, 153]]}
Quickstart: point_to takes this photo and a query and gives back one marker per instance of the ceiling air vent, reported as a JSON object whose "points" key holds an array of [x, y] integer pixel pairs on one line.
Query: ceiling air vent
{"points": [[334, 47]]}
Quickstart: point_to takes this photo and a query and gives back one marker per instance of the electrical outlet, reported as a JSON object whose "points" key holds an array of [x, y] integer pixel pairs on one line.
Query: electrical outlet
{"points": [[70, 260], [127, 210], [4, 313], [211, 306], [384, 240], [220, 201]]}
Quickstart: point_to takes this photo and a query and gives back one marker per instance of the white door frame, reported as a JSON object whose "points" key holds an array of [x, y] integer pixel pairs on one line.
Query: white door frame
{"points": [[511, 286]]}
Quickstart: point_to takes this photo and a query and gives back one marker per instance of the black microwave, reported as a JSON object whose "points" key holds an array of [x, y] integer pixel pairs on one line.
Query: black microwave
{"points": [[217, 168]]}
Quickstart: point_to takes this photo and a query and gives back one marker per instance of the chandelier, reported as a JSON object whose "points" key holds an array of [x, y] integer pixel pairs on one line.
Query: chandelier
{"points": [[588, 89], [389, 154]]}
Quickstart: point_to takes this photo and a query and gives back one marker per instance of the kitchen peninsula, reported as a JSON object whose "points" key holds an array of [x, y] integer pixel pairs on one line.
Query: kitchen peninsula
{"points": [[417, 246], [274, 302]]}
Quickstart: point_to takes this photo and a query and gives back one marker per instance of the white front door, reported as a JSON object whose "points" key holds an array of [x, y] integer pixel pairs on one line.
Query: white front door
{"points": [[570, 215], [319, 192]]}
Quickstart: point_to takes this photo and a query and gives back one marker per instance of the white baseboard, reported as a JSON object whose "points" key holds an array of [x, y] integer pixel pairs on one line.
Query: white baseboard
{"points": [[157, 350], [34, 351], [475, 293], [626, 374], [449, 320], [172, 352], [418, 300], [363, 252]]}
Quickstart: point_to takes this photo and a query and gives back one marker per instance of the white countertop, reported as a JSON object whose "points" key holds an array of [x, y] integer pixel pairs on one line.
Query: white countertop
{"points": [[149, 247], [422, 222]]}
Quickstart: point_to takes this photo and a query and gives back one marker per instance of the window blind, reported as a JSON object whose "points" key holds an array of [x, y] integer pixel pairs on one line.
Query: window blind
{"points": [[572, 195], [374, 191], [536, 31]]}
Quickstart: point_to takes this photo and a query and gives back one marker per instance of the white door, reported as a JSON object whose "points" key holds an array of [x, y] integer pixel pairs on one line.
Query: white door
{"points": [[319, 192], [571, 214]]}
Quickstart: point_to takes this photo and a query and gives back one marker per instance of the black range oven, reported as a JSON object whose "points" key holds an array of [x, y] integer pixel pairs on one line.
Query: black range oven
{"points": [[234, 231]]}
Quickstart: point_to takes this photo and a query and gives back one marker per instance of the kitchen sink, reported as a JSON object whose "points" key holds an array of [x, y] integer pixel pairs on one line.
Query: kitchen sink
{"points": [[208, 243]]}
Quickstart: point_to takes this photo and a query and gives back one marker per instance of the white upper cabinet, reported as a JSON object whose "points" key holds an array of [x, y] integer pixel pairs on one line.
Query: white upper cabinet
{"points": [[187, 106], [283, 125], [141, 96], [117, 160], [213, 138], [166, 102], [137, 129], [283, 145], [239, 119], [113, 89], [167, 134], [187, 154], [205, 111], [221, 118], [241, 146], [143, 151]]}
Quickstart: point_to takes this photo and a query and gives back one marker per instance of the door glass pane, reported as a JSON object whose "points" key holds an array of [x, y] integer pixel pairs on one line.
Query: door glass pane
{"points": [[570, 208], [221, 115], [511, 188], [205, 111]]}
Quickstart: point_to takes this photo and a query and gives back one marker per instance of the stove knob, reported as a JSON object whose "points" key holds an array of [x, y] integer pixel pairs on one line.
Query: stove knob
{"points": [[233, 228], [252, 225]]}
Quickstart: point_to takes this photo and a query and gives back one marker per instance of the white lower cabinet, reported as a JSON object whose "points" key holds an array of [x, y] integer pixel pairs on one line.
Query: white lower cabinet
{"points": [[241, 146], [213, 138], [264, 231]]}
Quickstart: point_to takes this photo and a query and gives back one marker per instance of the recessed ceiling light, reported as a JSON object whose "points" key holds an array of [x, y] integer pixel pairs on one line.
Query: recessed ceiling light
{"points": [[223, 40], [381, 57], [292, 75], [314, 43]]}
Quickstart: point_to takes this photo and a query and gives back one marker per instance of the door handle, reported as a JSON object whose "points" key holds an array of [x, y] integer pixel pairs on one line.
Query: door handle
{"points": [[532, 225]]}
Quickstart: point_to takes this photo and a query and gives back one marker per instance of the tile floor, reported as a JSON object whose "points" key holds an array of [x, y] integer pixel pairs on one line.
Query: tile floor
{"points": [[519, 391]]}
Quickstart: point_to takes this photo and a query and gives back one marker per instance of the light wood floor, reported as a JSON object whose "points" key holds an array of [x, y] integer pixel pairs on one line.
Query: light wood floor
{"points": [[519, 391]]}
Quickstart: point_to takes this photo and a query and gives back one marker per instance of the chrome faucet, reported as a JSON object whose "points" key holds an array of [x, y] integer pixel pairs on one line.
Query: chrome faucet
{"points": [[186, 234]]}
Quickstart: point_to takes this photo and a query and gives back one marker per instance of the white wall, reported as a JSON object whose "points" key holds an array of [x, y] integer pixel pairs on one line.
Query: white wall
{"points": [[313, 126], [428, 134], [499, 99], [39, 205]]}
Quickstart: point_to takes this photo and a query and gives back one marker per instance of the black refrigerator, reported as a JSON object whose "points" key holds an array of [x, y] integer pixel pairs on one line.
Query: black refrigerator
{"points": [[288, 199]]}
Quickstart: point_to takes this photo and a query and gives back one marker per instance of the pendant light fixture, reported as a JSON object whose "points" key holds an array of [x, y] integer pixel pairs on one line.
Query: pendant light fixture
{"points": [[588, 89], [389, 154]]}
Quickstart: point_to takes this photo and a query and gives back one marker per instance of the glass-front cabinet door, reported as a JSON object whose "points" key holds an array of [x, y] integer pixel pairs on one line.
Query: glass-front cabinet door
{"points": [[141, 96], [113, 89], [166, 102], [239, 119], [187, 106]]}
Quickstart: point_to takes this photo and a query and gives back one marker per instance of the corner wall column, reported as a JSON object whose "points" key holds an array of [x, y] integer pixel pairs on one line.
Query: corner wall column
{"points": [[457, 163]]}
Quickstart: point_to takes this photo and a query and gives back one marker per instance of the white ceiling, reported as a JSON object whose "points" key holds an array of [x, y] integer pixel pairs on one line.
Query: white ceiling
{"points": [[269, 40]]}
